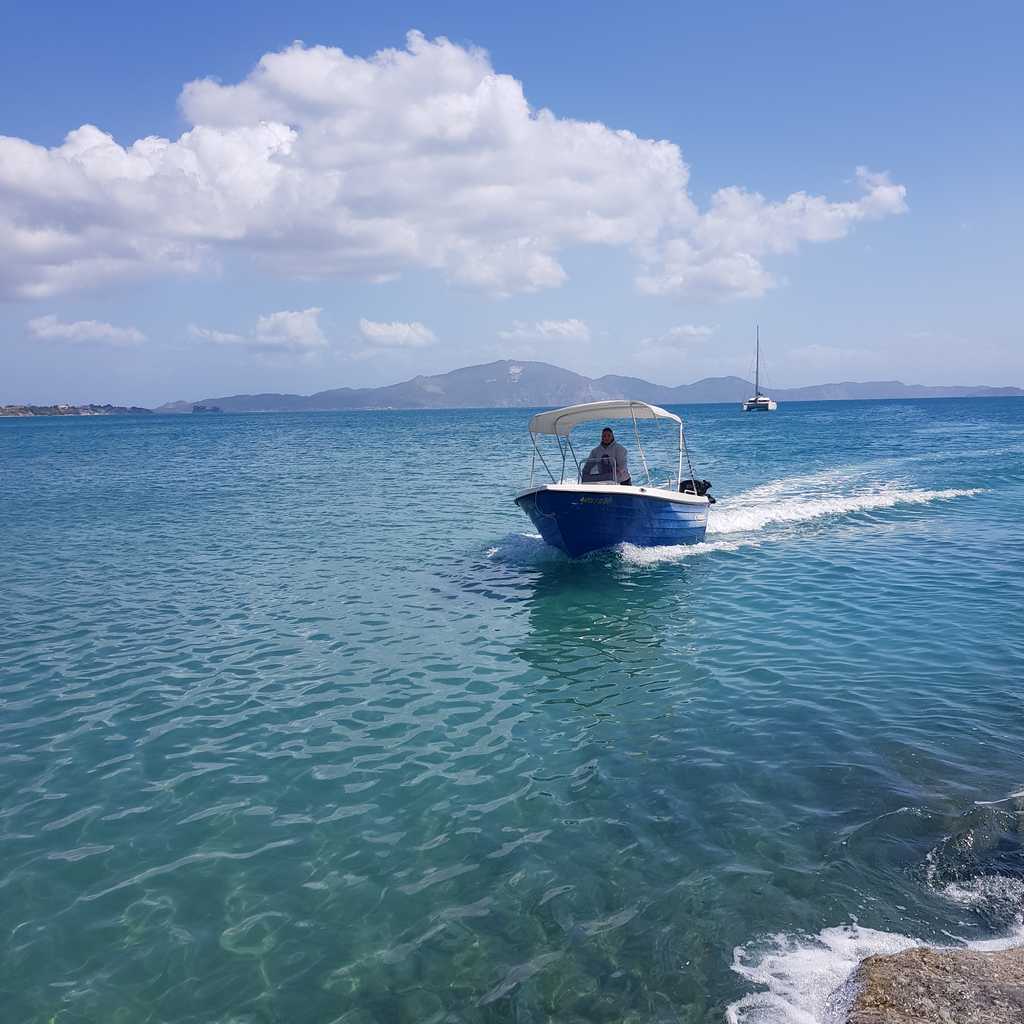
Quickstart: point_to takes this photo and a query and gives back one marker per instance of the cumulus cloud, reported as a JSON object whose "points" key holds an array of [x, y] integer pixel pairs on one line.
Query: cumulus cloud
{"points": [[397, 334], [217, 337], [286, 331], [688, 332], [676, 339], [721, 256], [547, 330], [321, 163], [49, 328]]}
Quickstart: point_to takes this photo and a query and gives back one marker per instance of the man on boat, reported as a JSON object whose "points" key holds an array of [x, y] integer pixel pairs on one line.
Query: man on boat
{"points": [[609, 449]]}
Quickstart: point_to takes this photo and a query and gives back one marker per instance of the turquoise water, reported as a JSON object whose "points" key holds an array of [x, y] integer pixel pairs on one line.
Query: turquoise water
{"points": [[299, 721]]}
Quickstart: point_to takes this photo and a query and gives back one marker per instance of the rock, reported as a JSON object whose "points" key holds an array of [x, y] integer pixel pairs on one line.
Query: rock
{"points": [[940, 986]]}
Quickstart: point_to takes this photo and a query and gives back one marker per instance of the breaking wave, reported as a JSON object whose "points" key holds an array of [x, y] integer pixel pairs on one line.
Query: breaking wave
{"points": [[806, 979]]}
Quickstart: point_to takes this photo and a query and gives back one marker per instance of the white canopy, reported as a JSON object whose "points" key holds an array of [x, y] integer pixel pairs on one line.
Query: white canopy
{"points": [[561, 421]]}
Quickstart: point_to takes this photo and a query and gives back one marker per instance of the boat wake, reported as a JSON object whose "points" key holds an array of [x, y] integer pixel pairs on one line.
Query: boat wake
{"points": [[769, 505], [523, 548], [735, 522], [632, 554]]}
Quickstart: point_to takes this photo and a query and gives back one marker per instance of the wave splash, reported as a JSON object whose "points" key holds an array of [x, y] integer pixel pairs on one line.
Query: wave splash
{"points": [[807, 979]]}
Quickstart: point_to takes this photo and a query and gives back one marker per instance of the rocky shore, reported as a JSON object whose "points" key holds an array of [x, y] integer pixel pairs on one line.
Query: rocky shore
{"points": [[73, 410], [940, 986]]}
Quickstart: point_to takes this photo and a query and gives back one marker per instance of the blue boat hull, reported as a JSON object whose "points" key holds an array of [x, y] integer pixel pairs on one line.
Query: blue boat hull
{"points": [[583, 520]]}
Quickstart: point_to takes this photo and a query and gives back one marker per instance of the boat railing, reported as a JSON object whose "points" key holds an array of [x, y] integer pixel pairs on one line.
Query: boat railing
{"points": [[556, 472]]}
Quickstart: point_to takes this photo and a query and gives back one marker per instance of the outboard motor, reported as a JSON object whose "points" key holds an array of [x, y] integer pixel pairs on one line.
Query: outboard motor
{"points": [[698, 487]]}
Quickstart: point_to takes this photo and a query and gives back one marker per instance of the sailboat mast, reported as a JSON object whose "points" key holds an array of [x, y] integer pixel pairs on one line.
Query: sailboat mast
{"points": [[757, 363]]}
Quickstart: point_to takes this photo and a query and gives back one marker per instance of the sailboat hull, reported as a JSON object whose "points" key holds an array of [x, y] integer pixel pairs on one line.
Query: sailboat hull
{"points": [[759, 403]]}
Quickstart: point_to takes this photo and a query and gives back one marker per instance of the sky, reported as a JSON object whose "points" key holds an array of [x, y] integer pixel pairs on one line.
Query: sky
{"points": [[205, 200]]}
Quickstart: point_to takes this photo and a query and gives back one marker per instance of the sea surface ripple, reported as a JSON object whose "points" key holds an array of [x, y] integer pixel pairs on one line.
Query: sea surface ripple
{"points": [[300, 721]]}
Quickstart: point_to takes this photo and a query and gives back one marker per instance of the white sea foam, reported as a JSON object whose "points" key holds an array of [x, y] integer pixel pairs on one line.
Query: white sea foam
{"points": [[802, 976], [521, 547], [753, 511], [985, 889], [632, 554], [806, 979]]}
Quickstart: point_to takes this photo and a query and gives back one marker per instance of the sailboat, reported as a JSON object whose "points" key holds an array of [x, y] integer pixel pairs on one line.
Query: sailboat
{"points": [[759, 402]]}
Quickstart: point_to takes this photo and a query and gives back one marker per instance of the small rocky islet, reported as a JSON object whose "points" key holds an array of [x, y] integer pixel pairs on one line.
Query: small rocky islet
{"points": [[73, 410]]}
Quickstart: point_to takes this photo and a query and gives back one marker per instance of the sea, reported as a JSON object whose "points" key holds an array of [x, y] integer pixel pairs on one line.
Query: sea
{"points": [[301, 722]]}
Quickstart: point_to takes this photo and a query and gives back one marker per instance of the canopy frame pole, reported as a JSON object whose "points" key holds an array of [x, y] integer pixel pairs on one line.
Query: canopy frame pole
{"points": [[561, 449], [689, 464], [533, 465], [579, 470], [639, 446], [679, 473], [533, 438]]}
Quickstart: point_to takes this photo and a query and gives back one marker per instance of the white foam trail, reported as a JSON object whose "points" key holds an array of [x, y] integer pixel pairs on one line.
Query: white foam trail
{"points": [[805, 978], [1002, 800], [749, 512], [631, 554]]}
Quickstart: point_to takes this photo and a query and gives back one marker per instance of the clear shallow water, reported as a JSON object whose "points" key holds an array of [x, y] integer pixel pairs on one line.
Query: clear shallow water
{"points": [[299, 722]]}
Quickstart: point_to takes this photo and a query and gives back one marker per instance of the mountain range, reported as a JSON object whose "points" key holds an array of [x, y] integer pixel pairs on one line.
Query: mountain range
{"points": [[510, 383]]}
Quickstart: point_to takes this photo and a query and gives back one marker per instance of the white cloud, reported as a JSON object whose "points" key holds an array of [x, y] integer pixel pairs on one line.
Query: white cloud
{"points": [[49, 328], [285, 331], [547, 330], [217, 337], [291, 329], [685, 332], [681, 338], [319, 164], [721, 256], [397, 334]]}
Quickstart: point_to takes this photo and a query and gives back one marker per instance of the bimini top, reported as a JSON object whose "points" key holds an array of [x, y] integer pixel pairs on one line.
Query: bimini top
{"points": [[561, 421]]}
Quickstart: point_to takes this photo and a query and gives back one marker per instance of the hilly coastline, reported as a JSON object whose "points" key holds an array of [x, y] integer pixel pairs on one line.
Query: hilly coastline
{"points": [[510, 383]]}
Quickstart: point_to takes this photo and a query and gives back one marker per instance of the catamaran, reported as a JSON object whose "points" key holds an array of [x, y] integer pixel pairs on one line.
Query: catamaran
{"points": [[759, 402], [591, 510]]}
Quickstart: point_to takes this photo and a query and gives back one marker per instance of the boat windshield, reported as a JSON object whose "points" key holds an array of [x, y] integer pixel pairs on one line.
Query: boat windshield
{"points": [[599, 469]]}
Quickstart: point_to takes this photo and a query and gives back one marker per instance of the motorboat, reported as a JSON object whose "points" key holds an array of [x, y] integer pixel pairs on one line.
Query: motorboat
{"points": [[758, 402], [582, 508]]}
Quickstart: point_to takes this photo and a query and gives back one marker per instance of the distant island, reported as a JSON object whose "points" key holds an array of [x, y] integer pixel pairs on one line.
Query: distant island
{"points": [[514, 383], [74, 410], [522, 384]]}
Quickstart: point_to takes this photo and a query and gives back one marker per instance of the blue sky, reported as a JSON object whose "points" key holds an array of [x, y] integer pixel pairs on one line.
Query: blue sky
{"points": [[341, 218]]}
